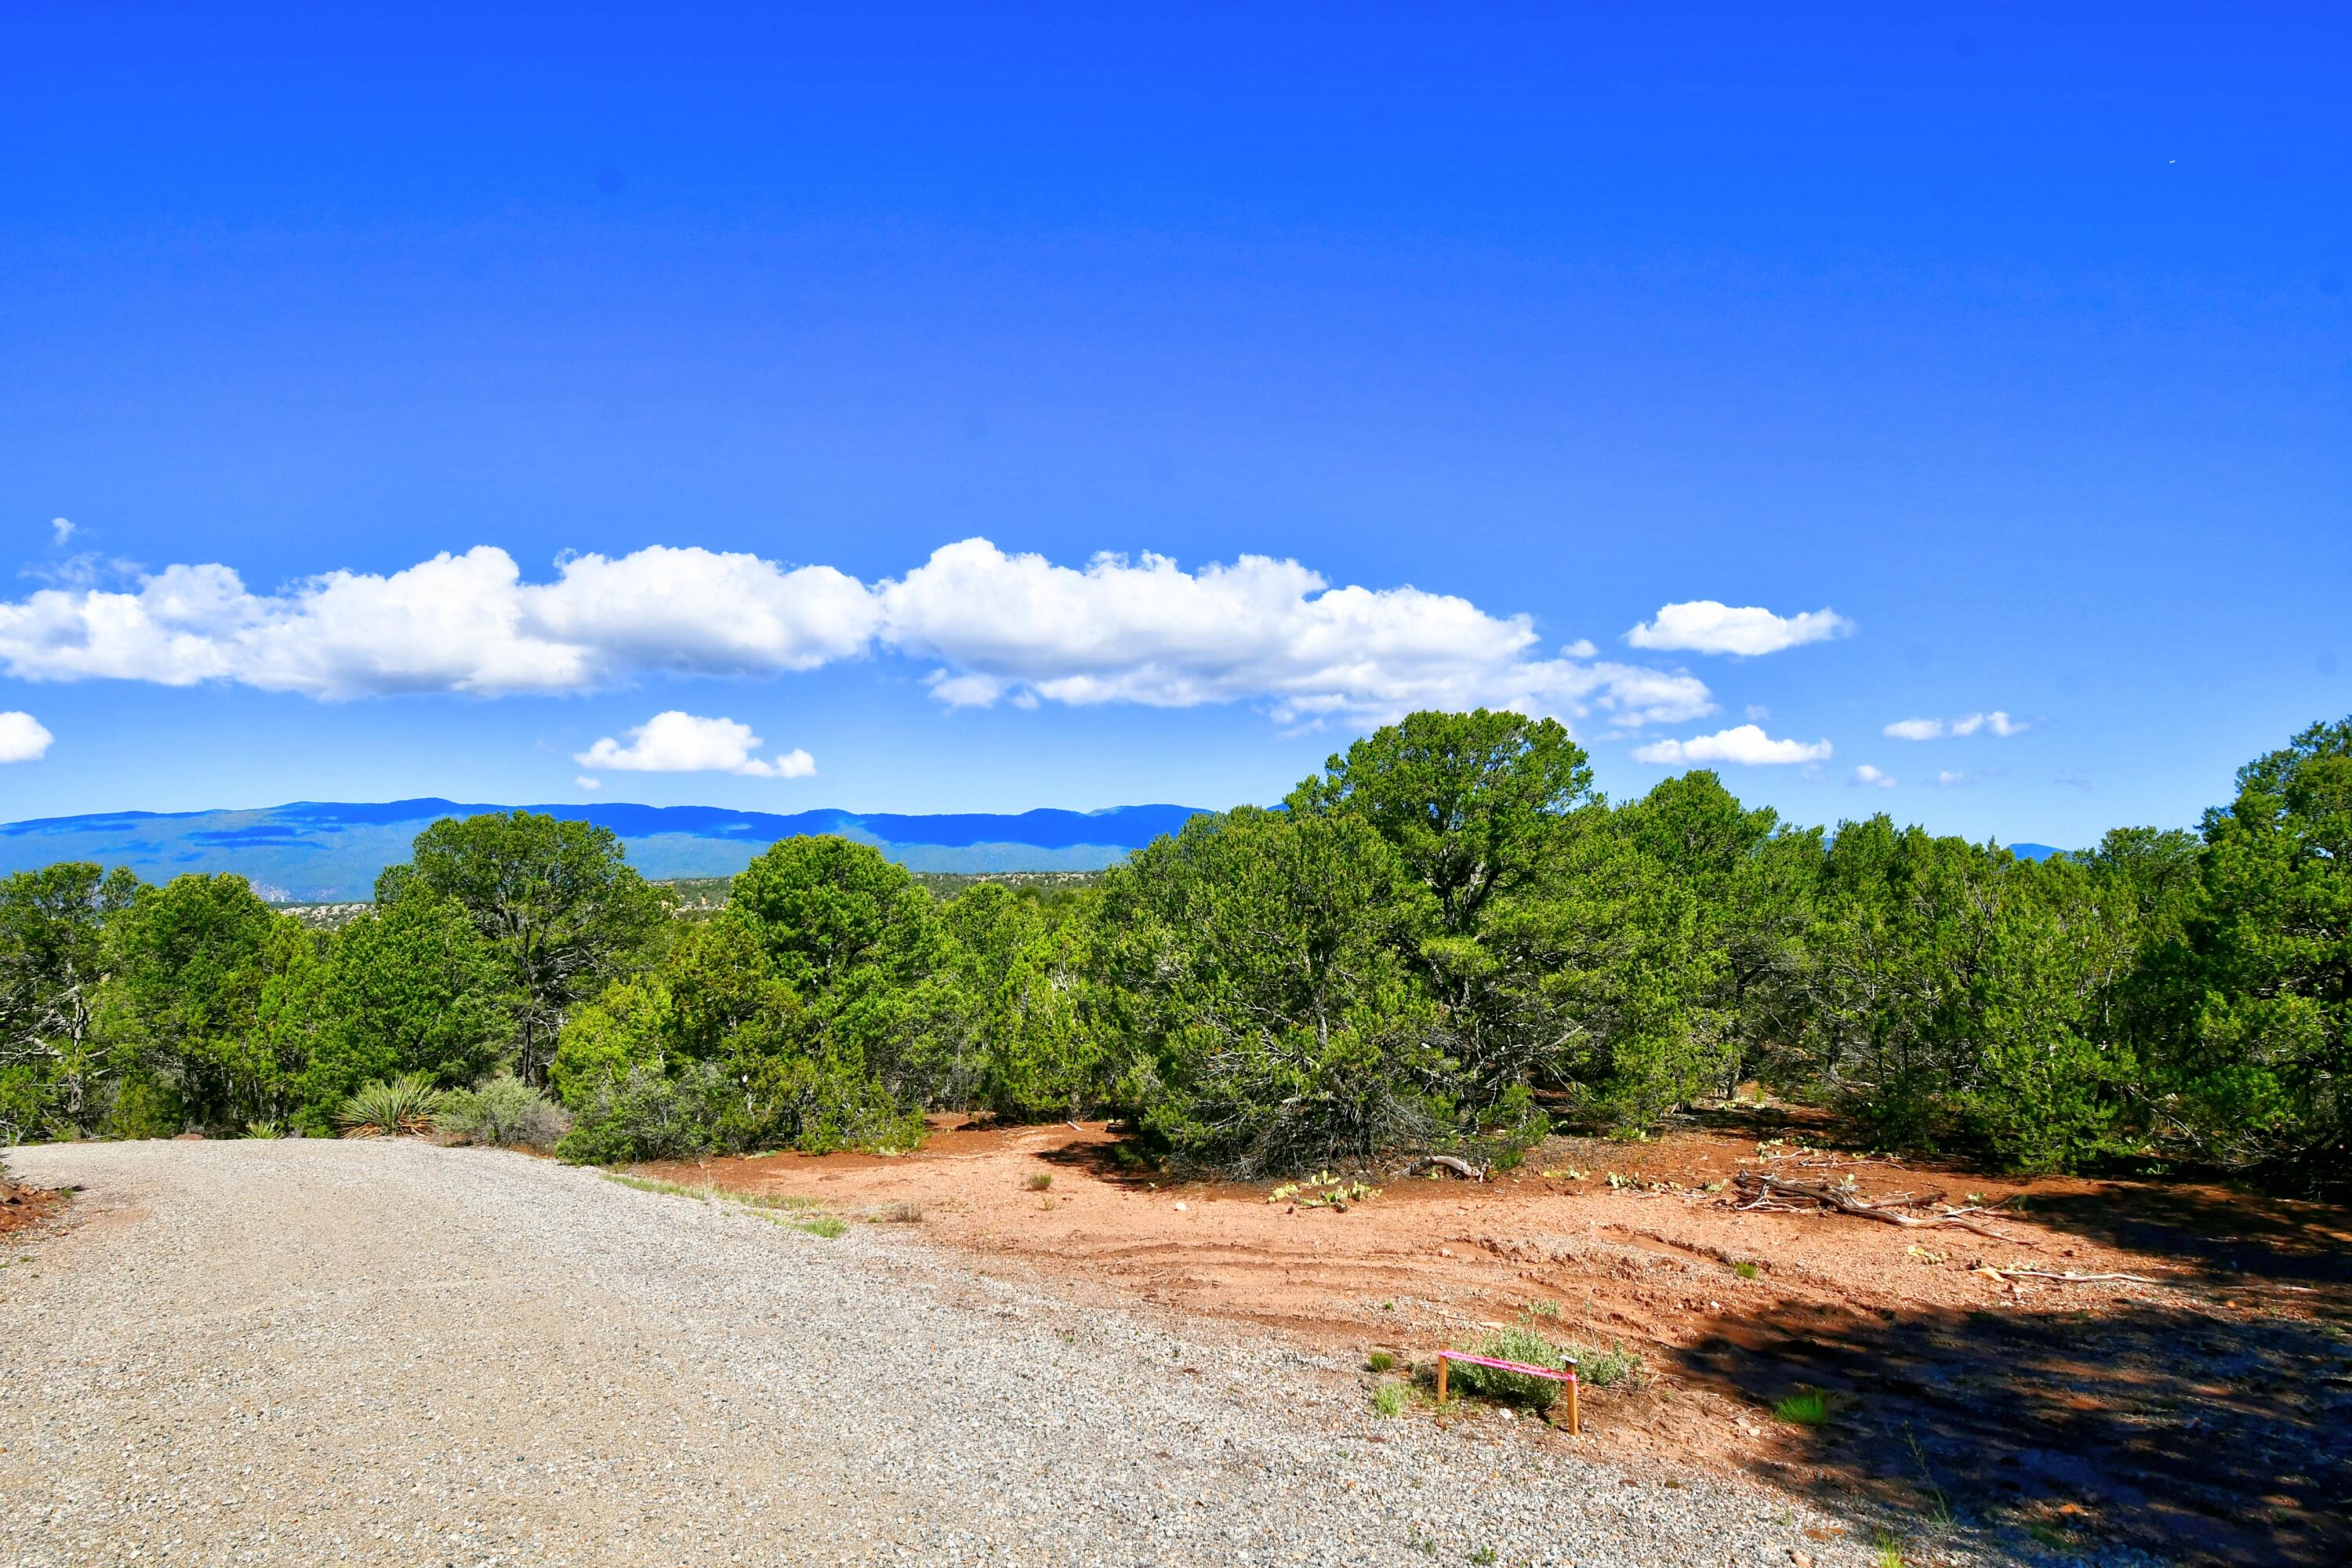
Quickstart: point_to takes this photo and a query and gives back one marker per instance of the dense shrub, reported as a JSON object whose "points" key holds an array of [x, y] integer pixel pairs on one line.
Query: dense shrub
{"points": [[503, 1111], [646, 1115], [1261, 960]]}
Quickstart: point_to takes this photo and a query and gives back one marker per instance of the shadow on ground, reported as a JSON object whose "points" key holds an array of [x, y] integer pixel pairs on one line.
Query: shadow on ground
{"points": [[2221, 1436]]}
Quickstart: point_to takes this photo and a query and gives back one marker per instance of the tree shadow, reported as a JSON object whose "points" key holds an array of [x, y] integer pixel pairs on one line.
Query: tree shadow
{"points": [[2198, 1436], [2222, 1236]]}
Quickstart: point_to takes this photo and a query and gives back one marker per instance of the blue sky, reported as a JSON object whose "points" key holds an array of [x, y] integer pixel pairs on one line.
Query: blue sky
{"points": [[2019, 339]]}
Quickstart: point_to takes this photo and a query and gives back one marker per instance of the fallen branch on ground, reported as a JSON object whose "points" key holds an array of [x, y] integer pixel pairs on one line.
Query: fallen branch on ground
{"points": [[2068, 1279], [1785, 1194], [1462, 1168]]}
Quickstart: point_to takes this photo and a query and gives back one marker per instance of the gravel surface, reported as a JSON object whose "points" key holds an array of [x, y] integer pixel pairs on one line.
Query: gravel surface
{"points": [[392, 1352]]}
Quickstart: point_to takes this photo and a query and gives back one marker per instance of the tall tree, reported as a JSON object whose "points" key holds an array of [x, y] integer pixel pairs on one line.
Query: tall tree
{"points": [[53, 1067], [1259, 960], [191, 960], [557, 901], [1474, 803], [2268, 1053]]}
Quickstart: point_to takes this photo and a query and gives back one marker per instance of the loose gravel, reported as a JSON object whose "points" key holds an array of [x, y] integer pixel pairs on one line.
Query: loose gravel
{"points": [[385, 1352]]}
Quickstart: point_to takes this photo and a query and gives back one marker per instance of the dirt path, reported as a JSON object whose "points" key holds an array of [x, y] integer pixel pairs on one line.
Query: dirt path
{"points": [[266, 1351], [2200, 1408]]}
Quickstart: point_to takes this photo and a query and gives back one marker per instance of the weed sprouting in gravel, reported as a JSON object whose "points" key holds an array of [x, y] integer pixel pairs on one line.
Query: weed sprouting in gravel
{"points": [[1390, 1399], [903, 1212], [655, 1184], [1806, 1407], [383, 1108], [1745, 1269], [824, 1225], [1040, 1180], [1380, 1361], [1884, 1552], [1485, 1554]]}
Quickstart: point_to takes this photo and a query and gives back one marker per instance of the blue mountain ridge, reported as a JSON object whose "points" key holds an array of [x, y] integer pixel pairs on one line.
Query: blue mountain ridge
{"points": [[331, 850]]}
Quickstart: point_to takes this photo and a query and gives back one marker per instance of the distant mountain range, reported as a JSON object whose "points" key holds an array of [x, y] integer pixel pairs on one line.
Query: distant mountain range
{"points": [[326, 851], [330, 851]]}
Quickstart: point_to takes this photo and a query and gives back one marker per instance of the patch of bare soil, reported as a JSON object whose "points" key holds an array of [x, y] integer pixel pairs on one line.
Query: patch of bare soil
{"points": [[2206, 1413], [22, 1207]]}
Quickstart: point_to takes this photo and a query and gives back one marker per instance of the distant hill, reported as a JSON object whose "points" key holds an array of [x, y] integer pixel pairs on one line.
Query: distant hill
{"points": [[324, 851], [2033, 851]]}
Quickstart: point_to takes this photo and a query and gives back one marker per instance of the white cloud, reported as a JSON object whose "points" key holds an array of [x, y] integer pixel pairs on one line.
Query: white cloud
{"points": [[1949, 779], [1148, 632], [1744, 744], [677, 742], [586, 782], [1995, 722], [1866, 774], [455, 623], [23, 738], [60, 530], [1757, 710], [996, 627], [1704, 626]]}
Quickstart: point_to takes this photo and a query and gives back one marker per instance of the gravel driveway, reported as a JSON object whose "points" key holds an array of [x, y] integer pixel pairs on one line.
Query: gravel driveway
{"points": [[393, 1352]]}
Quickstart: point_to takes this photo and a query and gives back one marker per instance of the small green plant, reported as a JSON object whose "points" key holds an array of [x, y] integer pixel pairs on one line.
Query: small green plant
{"points": [[1884, 1552], [267, 1127], [903, 1212], [1521, 1343], [1745, 1269], [1040, 1180], [1324, 1189], [1806, 1407], [824, 1225], [1381, 1361], [1389, 1398], [1483, 1555], [383, 1108], [1606, 1369], [655, 1184]]}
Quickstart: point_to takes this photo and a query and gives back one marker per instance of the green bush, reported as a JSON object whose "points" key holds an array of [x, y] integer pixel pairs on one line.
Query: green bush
{"points": [[646, 1115], [144, 1107], [503, 1111], [385, 1109], [1520, 1343]]}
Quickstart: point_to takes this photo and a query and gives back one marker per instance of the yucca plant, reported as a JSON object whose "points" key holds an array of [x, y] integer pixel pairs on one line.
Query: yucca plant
{"points": [[382, 1109]]}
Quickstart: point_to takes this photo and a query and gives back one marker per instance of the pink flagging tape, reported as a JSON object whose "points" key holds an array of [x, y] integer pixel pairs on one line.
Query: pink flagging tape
{"points": [[1555, 1375]]}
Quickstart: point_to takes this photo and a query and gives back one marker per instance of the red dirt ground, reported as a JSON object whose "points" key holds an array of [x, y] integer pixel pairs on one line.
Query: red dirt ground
{"points": [[2204, 1415], [24, 1208]]}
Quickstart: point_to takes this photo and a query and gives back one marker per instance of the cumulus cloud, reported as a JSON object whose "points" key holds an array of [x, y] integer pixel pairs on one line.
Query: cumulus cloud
{"points": [[23, 738], [455, 623], [61, 529], [679, 743], [1704, 625], [1148, 632], [1745, 744], [994, 626], [584, 781], [1866, 774], [1995, 722]]}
